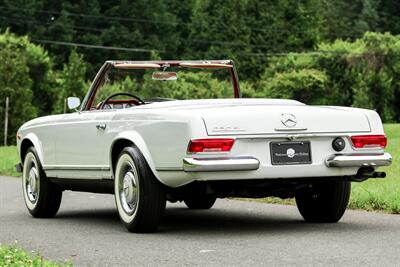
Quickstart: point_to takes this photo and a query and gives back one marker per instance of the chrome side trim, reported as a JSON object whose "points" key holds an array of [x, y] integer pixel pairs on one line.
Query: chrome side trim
{"points": [[359, 160], [75, 168], [220, 164], [169, 169]]}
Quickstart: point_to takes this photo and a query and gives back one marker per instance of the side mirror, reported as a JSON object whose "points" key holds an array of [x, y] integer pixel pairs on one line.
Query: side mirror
{"points": [[73, 102]]}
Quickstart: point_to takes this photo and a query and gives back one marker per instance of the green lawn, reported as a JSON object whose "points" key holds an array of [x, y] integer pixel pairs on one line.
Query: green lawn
{"points": [[12, 256], [8, 159], [382, 194], [374, 194]]}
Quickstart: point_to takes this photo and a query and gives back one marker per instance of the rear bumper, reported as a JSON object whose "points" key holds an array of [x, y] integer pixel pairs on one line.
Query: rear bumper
{"points": [[220, 164], [357, 160], [251, 163]]}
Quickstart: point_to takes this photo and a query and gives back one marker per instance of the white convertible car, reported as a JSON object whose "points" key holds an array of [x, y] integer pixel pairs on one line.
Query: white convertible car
{"points": [[148, 151]]}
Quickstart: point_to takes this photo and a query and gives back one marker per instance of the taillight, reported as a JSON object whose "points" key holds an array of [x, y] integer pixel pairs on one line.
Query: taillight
{"points": [[362, 141], [210, 145]]}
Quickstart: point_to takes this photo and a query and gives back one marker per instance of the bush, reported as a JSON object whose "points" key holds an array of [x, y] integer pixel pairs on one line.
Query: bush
{"points": [[364, 73], [306, 85]]}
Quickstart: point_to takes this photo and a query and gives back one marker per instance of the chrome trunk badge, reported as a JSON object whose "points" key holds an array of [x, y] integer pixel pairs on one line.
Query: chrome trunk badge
{"points": [[288, 120]]}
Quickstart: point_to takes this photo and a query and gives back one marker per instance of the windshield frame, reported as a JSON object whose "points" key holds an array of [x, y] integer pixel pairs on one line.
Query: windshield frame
{"points": [[199, 64]]}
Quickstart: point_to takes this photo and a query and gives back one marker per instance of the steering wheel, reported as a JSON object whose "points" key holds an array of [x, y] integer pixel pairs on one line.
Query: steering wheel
{"points": [[103, 103]]}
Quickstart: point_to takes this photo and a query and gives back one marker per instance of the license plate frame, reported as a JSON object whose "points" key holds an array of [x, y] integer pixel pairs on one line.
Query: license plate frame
{"points": [[290, 153]]}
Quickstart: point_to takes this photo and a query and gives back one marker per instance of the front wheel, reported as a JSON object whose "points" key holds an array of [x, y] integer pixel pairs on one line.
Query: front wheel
{"points": [[42, 198], [324, 202], [139, 196]]}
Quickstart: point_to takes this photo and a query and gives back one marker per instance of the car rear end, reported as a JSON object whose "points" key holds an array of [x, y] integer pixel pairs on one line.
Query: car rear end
{"points": [[287, 141]]}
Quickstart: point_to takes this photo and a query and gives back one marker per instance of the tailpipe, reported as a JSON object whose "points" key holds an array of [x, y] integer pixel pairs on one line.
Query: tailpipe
{"points": [[379, 175], [366, 173]]}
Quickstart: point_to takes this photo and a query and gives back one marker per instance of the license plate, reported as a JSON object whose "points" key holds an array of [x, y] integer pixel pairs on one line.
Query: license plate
{"points": [[290, 153]]}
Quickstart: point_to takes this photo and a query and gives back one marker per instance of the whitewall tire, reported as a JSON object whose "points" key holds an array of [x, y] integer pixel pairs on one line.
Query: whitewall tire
{"points": [[41, 197], [139, 196]]}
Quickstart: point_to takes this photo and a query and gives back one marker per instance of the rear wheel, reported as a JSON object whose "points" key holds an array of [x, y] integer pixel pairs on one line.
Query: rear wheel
{"points": [[324, 202], [139, 196], [42, 198], [200, 202]]}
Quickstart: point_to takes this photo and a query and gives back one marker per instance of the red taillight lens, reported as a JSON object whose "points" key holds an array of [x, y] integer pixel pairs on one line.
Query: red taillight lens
{"points": [[361, 141], [211, 145]]}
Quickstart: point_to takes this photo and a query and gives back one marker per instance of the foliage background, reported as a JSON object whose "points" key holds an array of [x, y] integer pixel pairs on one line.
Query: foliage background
{"points": [[320, 52]]}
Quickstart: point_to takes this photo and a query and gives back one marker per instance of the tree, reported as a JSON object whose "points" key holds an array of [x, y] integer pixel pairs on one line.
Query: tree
{"points": [[246, 31], [71, 81], [389, 18], [243, 30], [15, 83], [39, 65], [368, 19]]}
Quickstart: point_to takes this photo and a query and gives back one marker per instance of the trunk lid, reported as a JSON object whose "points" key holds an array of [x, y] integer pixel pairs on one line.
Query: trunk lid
{"points": [[273, 119]]}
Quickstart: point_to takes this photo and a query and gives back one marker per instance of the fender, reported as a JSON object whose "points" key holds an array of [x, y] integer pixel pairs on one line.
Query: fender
{"points": [[137, 139], [36, 143]]}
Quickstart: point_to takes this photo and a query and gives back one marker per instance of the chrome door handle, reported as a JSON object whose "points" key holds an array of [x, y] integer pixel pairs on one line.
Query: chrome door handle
{"points": [[101, 126]]}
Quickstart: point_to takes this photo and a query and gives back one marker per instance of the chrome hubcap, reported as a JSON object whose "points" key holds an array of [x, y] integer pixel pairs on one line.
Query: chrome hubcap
{"points": [[32, 186], [128, 192]]}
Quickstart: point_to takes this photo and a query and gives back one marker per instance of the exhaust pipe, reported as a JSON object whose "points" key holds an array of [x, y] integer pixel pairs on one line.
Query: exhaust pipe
{"points": [[368, 172], [379, 175]]}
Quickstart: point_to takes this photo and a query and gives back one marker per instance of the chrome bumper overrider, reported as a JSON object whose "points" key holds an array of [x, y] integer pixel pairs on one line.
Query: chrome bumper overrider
{"points": [[359, 160], [220, 164]]}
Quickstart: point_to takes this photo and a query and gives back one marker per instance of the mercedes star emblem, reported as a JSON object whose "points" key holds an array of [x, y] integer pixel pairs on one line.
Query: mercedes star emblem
{"points": [[289, 120]]}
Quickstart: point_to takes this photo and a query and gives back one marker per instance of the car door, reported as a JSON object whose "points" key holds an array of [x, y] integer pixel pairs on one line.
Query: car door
{"points": [[80, 150]]}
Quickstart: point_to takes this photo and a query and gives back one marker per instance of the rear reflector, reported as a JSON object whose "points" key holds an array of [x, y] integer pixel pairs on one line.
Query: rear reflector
{"points": [[362, 141], [211, 145]]}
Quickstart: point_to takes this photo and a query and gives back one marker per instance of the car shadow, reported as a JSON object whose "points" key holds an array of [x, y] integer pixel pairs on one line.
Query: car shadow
{"points": [[225, 222], [216, 221], [93, 215]]}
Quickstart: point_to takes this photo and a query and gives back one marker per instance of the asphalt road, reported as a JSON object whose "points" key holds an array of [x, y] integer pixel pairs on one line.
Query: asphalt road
{"points": [[87, 232]]}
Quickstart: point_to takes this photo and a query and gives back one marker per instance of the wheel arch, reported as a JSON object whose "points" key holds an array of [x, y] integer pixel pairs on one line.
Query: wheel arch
{"points": [[29, 141], [130, 139]]}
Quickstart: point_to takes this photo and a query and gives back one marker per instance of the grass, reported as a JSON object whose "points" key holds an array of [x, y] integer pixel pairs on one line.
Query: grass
{"points": [[382, 194], [13, 256], [374, 194], [8, 159]]}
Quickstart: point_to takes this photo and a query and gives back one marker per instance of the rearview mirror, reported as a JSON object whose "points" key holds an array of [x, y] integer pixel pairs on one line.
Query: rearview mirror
{"points": [[73, 102], [164, 76]]}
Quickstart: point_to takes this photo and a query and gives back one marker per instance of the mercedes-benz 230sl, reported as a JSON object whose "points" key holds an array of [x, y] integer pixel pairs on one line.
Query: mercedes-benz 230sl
{"points": [[125, 140]]}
